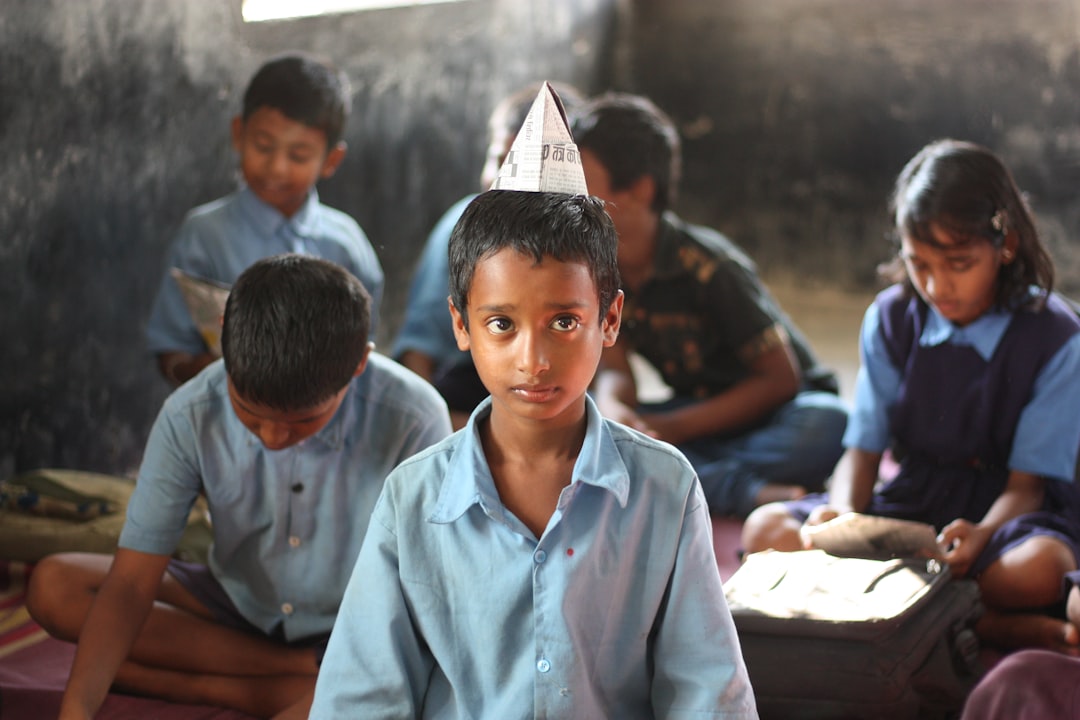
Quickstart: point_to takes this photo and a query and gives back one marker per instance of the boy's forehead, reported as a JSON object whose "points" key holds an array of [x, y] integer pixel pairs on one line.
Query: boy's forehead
{"points": [[267, 118], [505, 264]]}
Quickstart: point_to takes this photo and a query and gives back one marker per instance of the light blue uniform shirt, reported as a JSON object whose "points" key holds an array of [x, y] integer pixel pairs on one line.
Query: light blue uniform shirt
{"points": [[288, 523], [456, 610], [1056, 397], [221, 239], [427, 327]]}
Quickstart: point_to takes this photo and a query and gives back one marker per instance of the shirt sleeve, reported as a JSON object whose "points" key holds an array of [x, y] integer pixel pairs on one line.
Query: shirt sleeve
{"points": [[168, 484], [376, 665], [170, 327], [876, 386], [364, 264], [1053, 405], [427, 327], [747, 309], [699, 668]]}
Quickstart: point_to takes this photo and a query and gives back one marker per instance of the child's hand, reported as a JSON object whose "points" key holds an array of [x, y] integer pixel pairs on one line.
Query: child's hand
{"points": [[627, 416], [961, 542], [819, 515]]}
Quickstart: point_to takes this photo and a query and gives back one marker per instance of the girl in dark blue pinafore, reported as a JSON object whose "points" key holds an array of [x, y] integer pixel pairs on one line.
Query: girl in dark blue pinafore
{"points": [[970, 375]]}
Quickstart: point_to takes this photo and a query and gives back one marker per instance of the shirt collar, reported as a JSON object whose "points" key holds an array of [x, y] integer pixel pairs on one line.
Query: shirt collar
{"points": [[269, 221], [983, 334], [468, 478]]}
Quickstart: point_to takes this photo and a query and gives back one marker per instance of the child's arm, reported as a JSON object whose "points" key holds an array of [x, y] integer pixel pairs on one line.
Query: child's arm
{"points": [[773, 379], [699, 668], [179, 367], [965, 540], [110, 628], [851, 487], [615, 389]]}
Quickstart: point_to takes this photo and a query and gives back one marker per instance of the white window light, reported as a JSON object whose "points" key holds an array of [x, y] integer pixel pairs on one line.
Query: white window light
{"points": [[262, 10]]}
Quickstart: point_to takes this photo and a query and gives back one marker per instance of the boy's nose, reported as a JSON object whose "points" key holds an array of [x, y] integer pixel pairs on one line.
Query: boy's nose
{"points": [[533, 358], [277, 164], [274, 435]]}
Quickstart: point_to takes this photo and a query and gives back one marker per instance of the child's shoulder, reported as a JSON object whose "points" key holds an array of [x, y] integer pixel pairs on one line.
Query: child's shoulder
{"points": [[415, 485], [387, 382], [338, 222], [646, 457]]}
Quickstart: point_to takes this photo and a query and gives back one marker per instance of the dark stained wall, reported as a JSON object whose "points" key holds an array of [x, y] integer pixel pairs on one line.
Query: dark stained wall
{"points": [[114, 123], [798, 114]]}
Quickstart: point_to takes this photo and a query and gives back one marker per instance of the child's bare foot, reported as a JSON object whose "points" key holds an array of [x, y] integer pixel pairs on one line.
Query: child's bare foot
{"points": [[774, 492], [1028, 630]]}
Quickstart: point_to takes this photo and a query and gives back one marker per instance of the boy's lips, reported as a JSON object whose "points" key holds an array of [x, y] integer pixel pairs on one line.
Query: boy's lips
{"points": [[534, 393]]}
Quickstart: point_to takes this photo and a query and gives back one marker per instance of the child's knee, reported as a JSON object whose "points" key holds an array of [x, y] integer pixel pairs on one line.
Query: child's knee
{"points": [[771, 527], [60, 588], [1029, 575]]}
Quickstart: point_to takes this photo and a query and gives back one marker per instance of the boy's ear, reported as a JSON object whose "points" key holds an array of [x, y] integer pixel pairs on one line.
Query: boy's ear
{"points": [[643, 190], [613, 320], [460, 333], [362, 365], [333, 159]]}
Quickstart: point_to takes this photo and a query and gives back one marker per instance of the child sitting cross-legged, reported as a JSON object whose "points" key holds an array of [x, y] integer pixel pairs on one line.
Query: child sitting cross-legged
{"points": [[290, 438]]}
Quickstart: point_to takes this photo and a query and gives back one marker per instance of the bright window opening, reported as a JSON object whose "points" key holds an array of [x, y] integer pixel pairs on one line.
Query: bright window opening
{"points": [[262, 10]]}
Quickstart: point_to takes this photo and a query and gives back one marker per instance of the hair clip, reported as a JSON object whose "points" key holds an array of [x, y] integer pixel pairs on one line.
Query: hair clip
{"points": [[1000, 221]]}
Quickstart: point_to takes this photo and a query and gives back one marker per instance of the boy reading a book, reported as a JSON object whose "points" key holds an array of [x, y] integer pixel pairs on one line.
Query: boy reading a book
{"points": [[288, 137], [542, 561], [290, 438]]}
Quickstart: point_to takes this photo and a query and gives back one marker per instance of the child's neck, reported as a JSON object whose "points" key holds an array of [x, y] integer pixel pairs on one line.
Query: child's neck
{"points": [[531, 463]]}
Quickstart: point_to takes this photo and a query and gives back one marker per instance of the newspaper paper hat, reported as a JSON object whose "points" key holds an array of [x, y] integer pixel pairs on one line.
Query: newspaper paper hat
{"points": [[543, 157]]}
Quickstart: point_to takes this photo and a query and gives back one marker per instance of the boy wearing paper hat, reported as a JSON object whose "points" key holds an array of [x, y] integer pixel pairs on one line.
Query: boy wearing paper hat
{"points": [[542, 561]]}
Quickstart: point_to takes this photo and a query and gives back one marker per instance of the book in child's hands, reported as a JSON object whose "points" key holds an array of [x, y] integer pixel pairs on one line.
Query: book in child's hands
{"points": [[205, 300], [872, 536]]}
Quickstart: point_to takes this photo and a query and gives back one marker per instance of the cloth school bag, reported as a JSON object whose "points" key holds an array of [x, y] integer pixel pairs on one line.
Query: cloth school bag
{"points": [[832, 637]]}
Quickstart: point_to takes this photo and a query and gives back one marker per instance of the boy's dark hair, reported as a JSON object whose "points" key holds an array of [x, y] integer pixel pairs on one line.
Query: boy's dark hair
{"points": [[569, 228], [304, 89], [295, 330], [966, 190], [631, 137]]}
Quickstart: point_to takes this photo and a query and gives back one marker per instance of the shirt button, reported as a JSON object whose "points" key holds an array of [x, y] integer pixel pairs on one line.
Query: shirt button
{"points": [[294, 541], [543, 665], [287, 608], [540, 556]]}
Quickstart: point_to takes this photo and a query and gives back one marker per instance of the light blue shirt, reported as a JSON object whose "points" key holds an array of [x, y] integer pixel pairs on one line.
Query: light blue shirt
{"points": [[288, 523], [427, 327], [1053, 404], [456, 610], [221, 239]]}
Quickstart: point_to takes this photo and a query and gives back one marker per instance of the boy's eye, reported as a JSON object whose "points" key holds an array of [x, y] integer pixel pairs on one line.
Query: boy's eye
{"points": [[960, 264], [498, 325], [566, 323], [300, 158]]}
